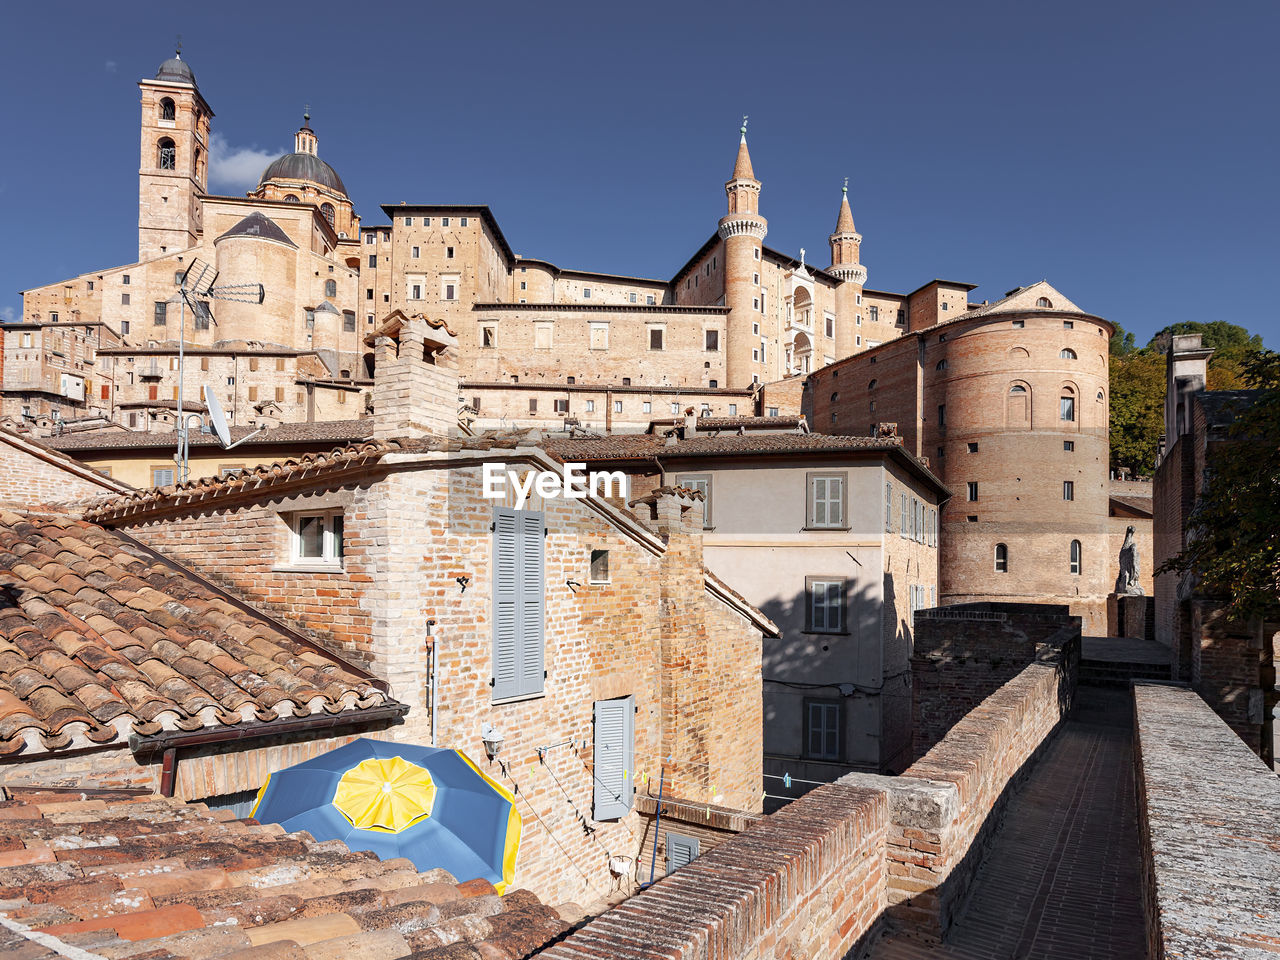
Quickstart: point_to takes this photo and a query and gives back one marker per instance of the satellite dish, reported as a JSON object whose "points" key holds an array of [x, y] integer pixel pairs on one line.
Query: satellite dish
{"points": [[217, 417]]}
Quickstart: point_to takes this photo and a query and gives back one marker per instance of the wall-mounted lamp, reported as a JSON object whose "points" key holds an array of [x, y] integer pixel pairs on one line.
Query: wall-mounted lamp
{"points": [[492, 741]]}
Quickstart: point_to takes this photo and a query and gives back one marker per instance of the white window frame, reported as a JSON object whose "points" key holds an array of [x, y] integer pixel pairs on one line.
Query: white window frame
{"points": [[816, 481], [331, 551]]}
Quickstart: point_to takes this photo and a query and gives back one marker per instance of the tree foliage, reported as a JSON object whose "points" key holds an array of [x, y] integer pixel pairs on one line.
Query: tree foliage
{"points": [[1234, 546]]}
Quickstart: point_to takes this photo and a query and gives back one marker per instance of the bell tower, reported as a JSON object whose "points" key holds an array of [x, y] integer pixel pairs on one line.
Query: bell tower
{"points": [[173, 168], [743, 230], [845, 267]]}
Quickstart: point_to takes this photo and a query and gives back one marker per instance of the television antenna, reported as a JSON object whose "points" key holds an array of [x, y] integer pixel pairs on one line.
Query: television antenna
{"points": [[195, 290]]}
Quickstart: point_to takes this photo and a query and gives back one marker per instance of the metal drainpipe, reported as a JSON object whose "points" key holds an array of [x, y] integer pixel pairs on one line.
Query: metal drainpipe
{"points": [[433, 679]]}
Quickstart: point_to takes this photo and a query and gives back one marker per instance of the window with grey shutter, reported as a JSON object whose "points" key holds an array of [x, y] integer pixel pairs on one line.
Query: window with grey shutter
{"points": [[518, 662], [614, 781], [681, 851]]}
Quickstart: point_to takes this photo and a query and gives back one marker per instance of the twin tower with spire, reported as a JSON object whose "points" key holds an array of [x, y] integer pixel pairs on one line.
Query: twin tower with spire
{"points": [[784, 318]]}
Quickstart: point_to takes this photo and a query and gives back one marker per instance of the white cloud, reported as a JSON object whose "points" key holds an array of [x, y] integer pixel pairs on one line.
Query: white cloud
{"points": [[8, 315], [236, 168]]}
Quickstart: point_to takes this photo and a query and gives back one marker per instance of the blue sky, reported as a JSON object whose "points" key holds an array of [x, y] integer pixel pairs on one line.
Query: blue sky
{"points": [[1125, 151]]}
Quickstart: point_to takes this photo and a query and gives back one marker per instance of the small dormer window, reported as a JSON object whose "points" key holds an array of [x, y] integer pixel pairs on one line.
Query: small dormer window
{"points": [[1045, 302]]}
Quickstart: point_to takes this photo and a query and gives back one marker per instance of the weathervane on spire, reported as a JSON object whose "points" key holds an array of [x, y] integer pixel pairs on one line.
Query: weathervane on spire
{"points": [[846, 186], [177, 52], [743, 131], [306, 113]]}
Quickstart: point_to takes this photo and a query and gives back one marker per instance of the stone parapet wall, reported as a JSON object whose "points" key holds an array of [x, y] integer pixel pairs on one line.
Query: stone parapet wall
{"points": [[1209, 819], [808, 882]]}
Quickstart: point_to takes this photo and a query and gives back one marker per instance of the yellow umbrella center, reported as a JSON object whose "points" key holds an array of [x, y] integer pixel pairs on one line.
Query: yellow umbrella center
{"points": [[388, 795]]}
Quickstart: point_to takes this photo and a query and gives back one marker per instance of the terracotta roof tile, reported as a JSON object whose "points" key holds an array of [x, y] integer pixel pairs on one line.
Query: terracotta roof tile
{"points": [[99, 639], [153, 878]]}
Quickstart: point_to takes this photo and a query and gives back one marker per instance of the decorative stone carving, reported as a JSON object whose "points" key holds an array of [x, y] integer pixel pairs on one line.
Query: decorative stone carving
{"points": [[1127, 582]]}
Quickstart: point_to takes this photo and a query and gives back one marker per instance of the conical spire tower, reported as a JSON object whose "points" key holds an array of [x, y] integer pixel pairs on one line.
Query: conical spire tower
{"points": [[742, 231]]}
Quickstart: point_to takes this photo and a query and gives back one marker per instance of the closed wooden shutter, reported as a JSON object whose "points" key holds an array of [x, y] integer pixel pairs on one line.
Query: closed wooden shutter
{"points": [[517, 603], [681, 851], [614, 757]]}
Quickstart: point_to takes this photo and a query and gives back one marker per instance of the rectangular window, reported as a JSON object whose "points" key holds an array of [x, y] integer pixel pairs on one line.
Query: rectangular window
{"points": [[1068, 325], [1067, 408], [888, 508], [830, 325], [1069, 445], [733, 409], [825, 606], [942, 416], [124, 299], [973, 448], [488, 337], [125, 279], [280, 395], [649, 300], [822, 729], [591, 406], [873, 314], [161, 476], [348, 321], [518, 586], [524, 284], [444, 221], [533, 406], [463, 221], [562, 406], [631, 298], [826, 508], [599, 570], [450, 291], [702, 483], [614, 758], [368, 293], [253, 394], [655, 338], [617, 406], [586, 293], [646, 407], [408, 221], [373, 260], [369, 238], [681, 851], [448, 252], [161, 313], [713, 339], [416, 252], [972, 487], [1068, 489]]}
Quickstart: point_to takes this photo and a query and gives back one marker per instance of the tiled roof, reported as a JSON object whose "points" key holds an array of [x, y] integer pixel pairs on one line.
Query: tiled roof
{"points": [[103, 874], [732, 423], [323, 431], [100, 640], [644, 446]]}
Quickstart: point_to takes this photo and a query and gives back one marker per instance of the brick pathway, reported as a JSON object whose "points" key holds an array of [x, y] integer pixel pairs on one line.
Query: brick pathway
{"points": [[1060, 881]]}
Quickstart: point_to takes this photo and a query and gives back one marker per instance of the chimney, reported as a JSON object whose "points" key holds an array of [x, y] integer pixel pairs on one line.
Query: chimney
{"points": [[690, 424], [1186, 374], [415, 378]]}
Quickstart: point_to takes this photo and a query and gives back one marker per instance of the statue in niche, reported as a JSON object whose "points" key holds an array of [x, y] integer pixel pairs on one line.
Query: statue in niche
{"points": [[1127, 583]]}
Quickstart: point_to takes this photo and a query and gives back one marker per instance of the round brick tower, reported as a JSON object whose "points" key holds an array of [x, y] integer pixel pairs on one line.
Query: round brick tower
{"points": [[255, 250], [1016, 421], [845, 242], [743, 230]]}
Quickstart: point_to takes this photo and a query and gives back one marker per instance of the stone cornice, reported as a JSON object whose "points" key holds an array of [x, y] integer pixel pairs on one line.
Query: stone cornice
{"points": [[742, 226]]}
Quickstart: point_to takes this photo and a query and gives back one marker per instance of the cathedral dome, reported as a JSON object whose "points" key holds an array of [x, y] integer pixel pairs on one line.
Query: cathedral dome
{"points": [[304, 166], [176, 70], [259, 226]]}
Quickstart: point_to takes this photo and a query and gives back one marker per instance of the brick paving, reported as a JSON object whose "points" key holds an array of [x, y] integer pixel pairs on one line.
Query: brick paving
{"points": [[1061, 878]]}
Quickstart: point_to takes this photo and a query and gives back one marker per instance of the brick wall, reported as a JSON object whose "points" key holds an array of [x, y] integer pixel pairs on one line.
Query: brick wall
{"points": [[30, 475], [413, 526], [964, 653], [808, 882], [1209, 822], [817, 877]]}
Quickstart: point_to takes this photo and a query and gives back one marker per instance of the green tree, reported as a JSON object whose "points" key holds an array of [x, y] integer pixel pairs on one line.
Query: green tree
{"points": [[1234, 547], [1223, 337], [1137, 409], [1122, 342]]}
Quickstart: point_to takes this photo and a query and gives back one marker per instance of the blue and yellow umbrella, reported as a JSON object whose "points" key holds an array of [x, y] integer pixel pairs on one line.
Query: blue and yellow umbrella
{"points": [[431, 805]]}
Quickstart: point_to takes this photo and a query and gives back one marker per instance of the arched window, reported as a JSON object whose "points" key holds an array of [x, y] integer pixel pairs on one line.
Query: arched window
{"points": [[290, 198], [327, 210], [940, 365], [1075, 556], [1018, 407], [167, 109], [1066, 353], [166, 155], [1101, 397], [331, 288], [1067, 405], [835, 396], [871, 385], [1002, 558], [1045, 302]]}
